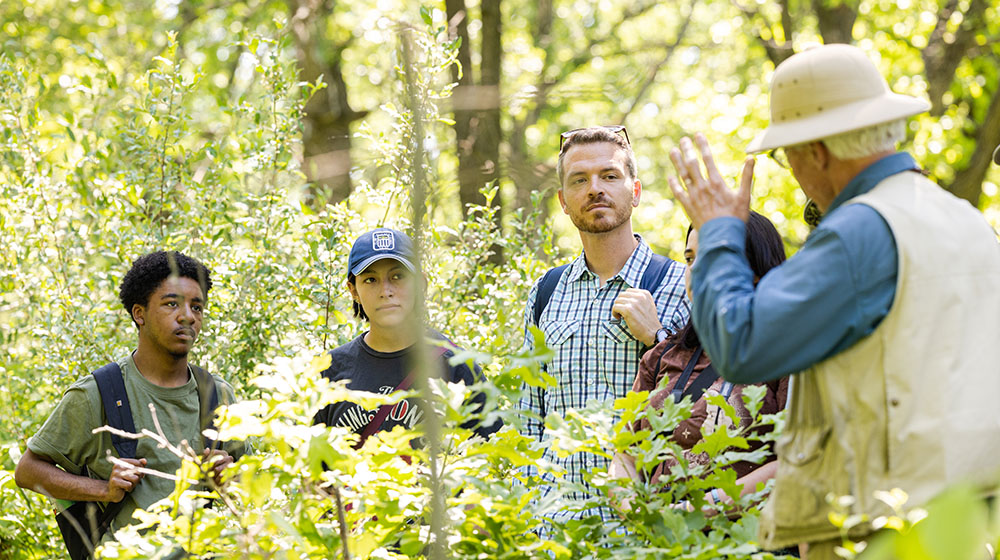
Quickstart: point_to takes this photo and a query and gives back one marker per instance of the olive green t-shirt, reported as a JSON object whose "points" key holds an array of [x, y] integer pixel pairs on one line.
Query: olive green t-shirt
{"points": [[67, 438]]}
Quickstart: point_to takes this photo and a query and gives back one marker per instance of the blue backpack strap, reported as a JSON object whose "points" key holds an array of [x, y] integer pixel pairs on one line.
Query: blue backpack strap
{"points": [[546, 286], [116, 408], [208, 399], [655, 271]]}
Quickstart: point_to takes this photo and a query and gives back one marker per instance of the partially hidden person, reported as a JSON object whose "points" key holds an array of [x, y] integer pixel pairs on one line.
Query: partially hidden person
{"points": [[679, 367], [600, 312], [165, 294], [384, 282]]}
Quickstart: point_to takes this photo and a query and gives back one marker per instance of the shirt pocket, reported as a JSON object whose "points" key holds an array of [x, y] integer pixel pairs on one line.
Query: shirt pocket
{"points": [[618, 331], [558, 333]]}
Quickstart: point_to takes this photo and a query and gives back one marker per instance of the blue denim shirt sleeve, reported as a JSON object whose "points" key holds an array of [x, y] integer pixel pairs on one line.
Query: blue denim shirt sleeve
{"points": [[833, 292]]}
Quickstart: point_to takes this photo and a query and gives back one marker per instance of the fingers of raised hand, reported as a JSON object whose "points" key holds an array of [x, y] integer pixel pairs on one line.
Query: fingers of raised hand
{"points": [[706, 155], [690, 170], [746, 180], [679, 193]]}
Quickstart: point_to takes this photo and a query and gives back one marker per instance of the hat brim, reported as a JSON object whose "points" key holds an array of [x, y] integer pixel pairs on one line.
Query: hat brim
{"points": [[853, 116], [360, 267]]}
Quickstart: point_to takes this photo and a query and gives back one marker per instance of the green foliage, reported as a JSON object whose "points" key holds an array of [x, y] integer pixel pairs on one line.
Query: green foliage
{"points": [[958, 524], [125, 129]]}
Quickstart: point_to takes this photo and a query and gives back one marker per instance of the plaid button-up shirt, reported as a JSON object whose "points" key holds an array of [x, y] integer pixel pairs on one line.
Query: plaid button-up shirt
{"points": [[596, 357]]}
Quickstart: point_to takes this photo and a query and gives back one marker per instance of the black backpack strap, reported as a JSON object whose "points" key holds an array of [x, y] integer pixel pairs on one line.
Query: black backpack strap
{"points": [[704, 381], [678, 391], [208, 398], [655, 271], [116, 408], [546, 286], [81, 524]]}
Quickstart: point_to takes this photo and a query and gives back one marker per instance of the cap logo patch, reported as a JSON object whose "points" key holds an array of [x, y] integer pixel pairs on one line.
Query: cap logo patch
{"points": [[383, 241]]}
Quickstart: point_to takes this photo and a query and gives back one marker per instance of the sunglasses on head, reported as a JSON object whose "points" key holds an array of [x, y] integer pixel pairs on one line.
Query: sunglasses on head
{"points": [[615, 128]]}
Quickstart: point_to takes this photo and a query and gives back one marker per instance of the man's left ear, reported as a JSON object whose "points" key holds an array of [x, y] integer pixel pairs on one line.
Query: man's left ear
{"points": [[822, 154], [138, 315], [636, 192]]}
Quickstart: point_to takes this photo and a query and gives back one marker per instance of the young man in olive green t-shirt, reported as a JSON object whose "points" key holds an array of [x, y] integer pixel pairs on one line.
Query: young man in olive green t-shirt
{"points": [[164, 294]]}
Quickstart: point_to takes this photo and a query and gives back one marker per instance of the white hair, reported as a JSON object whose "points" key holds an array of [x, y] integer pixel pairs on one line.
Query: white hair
{"points": [[867, 141]]}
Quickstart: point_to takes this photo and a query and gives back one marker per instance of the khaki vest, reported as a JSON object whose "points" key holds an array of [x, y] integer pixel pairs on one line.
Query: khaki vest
{"points": [[914, 405]]}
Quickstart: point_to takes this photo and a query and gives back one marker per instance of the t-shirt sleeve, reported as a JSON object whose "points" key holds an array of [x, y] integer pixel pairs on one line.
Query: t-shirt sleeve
{"points": [[462, 372], [236, 448], [66, 436]]}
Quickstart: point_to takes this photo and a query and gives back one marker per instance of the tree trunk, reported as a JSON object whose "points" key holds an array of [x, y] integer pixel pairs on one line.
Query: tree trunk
{"points": [[945, 51], [326, 135], [836, 20], [477, 110], [968, 182]]}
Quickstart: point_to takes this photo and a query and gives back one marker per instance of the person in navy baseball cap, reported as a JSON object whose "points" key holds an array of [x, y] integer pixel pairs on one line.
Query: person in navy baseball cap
{"points": [[385, 284], [378, 244]]}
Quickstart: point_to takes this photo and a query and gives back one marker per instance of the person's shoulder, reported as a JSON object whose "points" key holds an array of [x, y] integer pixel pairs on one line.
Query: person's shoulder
{"points": [[462, 371], [440, 340], [850, 216], [223, 387], [342, 357], [859, 227]]}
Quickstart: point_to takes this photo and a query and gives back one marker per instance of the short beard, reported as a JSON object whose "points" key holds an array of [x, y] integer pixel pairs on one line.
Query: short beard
{"points": [[620, 217]]}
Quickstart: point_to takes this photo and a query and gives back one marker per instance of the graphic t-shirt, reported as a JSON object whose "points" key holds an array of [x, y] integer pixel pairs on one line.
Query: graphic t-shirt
{"points": [[67, 438], [369, 370]]}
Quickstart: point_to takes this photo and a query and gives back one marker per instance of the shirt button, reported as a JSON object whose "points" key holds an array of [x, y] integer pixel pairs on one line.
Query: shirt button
{"points": [[590, 342], [590, 382]]}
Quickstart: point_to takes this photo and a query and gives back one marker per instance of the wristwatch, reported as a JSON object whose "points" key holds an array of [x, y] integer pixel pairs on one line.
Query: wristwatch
{"points": [[661, 335]]}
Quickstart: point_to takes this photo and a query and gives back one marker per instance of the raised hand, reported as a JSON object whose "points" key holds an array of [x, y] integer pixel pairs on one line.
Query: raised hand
{"points": [[705, 198]]}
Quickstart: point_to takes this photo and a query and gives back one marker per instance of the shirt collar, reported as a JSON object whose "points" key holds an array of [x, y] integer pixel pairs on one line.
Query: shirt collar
{"points": [[631, 273], [873, 175]]}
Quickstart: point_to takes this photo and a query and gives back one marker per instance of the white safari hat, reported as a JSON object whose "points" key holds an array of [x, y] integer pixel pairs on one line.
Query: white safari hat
{"points": [[829, 90]]}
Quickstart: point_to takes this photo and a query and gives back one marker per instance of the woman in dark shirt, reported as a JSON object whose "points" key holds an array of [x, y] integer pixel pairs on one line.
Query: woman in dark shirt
{"points": [[383, 281], [678, 367]]}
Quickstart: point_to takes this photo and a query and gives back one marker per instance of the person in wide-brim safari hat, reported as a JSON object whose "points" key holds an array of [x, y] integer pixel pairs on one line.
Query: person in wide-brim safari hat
{"points": [[886, 317]]}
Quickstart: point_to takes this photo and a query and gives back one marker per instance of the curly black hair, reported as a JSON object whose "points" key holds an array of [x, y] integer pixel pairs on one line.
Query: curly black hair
{"points": [[149, 271]]}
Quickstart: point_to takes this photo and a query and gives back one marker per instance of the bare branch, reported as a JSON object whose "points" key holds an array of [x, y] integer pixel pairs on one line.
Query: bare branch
{"points": [[651, 78]]}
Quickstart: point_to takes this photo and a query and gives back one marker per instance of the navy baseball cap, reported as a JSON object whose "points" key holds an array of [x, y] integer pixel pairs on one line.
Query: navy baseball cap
{"points": [[378, 244]]}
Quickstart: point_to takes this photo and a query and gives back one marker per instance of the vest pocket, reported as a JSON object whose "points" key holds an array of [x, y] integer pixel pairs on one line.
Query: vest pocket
{"points": [[807, 471]]}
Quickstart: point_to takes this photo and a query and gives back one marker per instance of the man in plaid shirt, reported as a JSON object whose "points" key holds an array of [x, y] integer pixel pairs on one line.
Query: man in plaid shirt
{"points": [[597, 321]]}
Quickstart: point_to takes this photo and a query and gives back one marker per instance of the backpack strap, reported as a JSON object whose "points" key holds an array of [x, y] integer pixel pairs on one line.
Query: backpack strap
{"points": [[208, 399], [546, 286], [116, 407], [655, 271], [707, 377], [697, 389], [80, 524]]}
